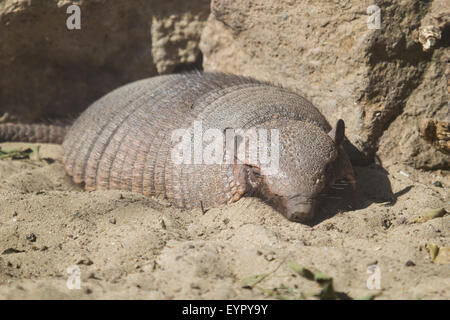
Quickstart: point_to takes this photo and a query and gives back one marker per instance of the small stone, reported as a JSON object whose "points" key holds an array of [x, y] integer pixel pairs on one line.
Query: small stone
{"points": [[195, 286], [438, 184], [270, 256], [373, 263], [88, 291], [386, 224], [403, 173], [85, 261], [112, 220], [31, 237], [409, 263]]}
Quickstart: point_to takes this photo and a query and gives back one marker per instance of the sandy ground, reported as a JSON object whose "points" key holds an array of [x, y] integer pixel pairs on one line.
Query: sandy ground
{"points": [[129, 246]]}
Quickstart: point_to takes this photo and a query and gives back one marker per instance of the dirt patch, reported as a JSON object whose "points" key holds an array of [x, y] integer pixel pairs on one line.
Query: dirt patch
{"points": [[129, 246]]}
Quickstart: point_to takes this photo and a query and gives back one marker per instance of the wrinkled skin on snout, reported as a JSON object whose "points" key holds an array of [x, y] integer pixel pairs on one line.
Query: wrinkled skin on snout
{"points": [[310, 160]]}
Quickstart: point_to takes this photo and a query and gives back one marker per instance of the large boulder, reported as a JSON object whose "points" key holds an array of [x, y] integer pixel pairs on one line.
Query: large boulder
{"points": [[420, 136], [48, 71], [382, 79]]}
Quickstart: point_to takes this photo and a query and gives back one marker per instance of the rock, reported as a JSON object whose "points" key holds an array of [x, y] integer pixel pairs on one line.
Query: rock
{"points": [[419, 137], [380, 81], [410, 263], [85, 261], [433, 24], [438, 184], [49, 71], [175, 38], [437, 133], [31, 237], [428, 36], [386, 224]]}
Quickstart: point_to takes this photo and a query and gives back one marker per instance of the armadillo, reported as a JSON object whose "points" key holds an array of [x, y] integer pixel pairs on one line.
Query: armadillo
{"points": [[124, 141]]}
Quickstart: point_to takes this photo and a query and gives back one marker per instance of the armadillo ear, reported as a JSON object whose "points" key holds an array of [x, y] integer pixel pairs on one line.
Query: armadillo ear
{"points": [[338, 132]]}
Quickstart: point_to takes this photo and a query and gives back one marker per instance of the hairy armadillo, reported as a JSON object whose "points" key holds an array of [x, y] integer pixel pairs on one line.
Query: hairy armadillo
{"points": [[124, 141]]}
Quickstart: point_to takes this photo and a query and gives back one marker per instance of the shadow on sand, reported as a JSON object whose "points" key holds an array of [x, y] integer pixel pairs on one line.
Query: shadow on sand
{"points": [[373, 187]]}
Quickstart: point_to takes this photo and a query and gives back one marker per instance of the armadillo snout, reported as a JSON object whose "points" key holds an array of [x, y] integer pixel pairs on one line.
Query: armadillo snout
{"points": [[300, 212]]}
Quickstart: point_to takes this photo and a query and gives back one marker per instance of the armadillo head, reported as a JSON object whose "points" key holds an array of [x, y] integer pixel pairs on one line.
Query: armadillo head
{"points": [[309, 161]]}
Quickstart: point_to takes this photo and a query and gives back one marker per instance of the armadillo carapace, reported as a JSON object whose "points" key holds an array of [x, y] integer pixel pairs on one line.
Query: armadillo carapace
{"points": [[125, 141]]}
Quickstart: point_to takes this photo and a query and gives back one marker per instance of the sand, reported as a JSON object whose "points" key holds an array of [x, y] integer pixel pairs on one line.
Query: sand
{"points": [[127, 246]]}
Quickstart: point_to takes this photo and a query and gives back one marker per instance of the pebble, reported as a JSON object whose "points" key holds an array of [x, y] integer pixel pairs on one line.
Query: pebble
{"points": [[31, 237], [85, 261], [403, 173], [409, 263], [372, 263], [438, 184], [386, 224]]}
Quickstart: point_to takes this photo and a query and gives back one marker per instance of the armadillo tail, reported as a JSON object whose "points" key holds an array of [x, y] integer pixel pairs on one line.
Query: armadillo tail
{"points": [[46, 133]]}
